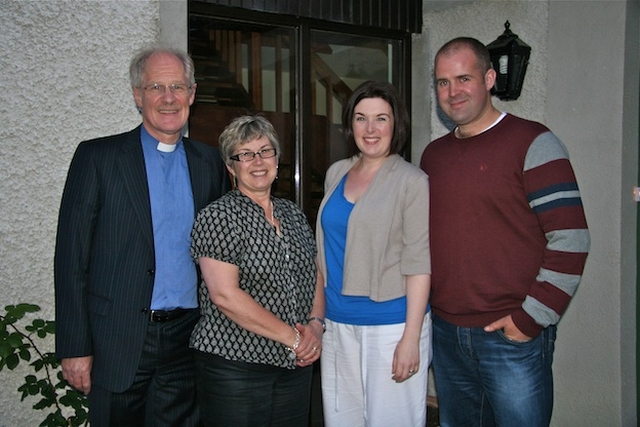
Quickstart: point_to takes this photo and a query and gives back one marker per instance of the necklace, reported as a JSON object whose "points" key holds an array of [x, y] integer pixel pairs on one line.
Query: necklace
{"points": [[271, 220]]}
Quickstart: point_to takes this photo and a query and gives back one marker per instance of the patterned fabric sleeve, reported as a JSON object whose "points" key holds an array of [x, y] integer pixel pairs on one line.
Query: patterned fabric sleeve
{"points": [[554, 196], [215, 235]]}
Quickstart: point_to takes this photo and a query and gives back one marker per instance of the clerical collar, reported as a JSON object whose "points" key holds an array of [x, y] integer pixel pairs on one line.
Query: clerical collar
{"points": [[166, 148]]}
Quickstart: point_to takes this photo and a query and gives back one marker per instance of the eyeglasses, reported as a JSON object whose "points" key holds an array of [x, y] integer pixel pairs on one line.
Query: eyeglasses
{"points": [[175, 88], [248, 156]]}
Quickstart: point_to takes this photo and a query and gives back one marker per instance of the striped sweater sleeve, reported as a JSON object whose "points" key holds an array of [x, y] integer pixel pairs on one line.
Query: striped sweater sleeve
{"points": [[553, 194]]}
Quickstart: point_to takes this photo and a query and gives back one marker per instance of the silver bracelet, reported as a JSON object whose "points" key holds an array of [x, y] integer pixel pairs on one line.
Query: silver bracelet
{"points": [[294, 347]]}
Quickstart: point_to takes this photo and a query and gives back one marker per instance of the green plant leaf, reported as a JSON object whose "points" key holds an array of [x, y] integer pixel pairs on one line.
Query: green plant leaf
{"points": [[25, 354], [57, 420], [17, 312], [25, 392], [5, 349], [38, 365], [28, 308], [34, 389], [15, 340], [42, 403], [10, 319], [50, 327], [12, 361]]}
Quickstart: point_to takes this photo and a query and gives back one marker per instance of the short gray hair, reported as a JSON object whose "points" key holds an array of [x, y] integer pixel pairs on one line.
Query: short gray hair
{"points": [[244, 129], [139, 63]]}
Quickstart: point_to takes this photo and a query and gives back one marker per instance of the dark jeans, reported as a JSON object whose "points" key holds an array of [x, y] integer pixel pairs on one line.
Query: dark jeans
{"points": [[485, 379], [243, 394], [163, 393]]}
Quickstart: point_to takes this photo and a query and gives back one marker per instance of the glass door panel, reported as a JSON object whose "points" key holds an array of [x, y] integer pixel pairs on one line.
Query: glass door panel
{"points": [[244, 68], [339, 64], [248, 67]]}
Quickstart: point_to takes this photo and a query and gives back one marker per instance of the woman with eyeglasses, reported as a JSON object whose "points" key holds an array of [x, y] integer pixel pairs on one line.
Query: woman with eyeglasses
{"points": [[261, 302], [373, 246]]}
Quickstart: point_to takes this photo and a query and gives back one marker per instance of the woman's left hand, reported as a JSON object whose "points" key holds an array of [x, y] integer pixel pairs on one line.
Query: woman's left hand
{"points": [[406, 360], [310, 346]]}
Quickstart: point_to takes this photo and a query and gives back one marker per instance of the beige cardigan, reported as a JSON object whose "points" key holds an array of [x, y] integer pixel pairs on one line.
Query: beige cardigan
{"points": [[388, 230]]}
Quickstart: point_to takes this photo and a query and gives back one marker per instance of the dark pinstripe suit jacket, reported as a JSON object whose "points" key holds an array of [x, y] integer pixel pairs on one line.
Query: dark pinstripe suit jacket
{"points": [[104, 261]]}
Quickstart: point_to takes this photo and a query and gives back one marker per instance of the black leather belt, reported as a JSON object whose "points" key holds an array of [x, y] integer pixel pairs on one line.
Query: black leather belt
{"points": [[168, 315]]}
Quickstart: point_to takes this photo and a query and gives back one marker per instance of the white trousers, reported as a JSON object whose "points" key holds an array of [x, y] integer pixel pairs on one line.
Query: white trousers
{"points": [[357, 389]]}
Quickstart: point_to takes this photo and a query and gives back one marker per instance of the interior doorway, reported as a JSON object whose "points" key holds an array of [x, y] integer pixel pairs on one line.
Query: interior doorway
{"points": [[298, 74]]}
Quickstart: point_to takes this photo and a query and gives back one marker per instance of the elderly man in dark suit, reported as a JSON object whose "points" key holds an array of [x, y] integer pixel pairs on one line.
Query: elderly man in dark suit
{"points": [[125, 281]]}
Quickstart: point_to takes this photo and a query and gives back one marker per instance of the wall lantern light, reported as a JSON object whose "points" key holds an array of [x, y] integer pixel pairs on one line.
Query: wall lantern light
{"points": [[509, 57]]}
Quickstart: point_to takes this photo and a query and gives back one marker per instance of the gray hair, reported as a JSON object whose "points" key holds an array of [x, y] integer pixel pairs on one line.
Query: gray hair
{"points": [[244, 129], [139, 63]]}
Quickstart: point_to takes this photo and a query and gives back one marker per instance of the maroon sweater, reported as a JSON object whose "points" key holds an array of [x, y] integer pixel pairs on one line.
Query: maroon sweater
{"points": [[508, 231]]}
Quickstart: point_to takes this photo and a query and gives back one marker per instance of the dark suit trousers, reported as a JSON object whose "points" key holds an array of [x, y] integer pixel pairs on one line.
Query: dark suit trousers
{"points": [[163, 393]]}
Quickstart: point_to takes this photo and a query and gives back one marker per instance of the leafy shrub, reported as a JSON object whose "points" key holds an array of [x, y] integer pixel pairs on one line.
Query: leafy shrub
{"points": [[19, 342]]}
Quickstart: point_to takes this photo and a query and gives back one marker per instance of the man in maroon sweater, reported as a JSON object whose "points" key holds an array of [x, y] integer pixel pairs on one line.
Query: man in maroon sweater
{"points": [[509, 241]]}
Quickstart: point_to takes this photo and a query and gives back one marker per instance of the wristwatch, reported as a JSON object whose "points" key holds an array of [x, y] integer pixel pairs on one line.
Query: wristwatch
{"points": [[321, 320]]}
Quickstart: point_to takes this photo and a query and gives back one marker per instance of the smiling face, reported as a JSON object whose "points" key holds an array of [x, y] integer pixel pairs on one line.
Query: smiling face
{"points": [[255, 177], [164, 114], [373, 127], [463, 90]]}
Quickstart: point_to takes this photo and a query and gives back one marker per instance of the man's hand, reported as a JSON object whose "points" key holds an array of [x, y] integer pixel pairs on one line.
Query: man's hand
{"points": [[509, 329], [77, 372]]}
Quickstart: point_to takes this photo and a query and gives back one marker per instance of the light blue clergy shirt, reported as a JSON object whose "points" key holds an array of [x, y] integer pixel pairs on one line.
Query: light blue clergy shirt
{"points": [[172, 213]]}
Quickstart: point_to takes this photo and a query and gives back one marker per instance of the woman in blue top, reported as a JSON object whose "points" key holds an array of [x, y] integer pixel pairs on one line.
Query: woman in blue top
{"points": [[373, 251]]}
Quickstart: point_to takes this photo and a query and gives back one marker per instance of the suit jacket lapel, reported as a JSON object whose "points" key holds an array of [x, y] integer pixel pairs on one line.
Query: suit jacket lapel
{"points": [[134, 175], [198, 172]]}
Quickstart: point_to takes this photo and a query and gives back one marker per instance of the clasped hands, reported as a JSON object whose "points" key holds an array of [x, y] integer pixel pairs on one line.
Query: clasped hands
{"points": [[310, 346]]}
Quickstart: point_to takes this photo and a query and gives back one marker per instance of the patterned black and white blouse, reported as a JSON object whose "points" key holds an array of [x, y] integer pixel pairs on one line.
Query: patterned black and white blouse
{"points": [[279, 272]]}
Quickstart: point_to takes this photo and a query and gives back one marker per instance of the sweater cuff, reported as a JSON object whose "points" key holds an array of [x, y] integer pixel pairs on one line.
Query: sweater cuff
{"points": [[525, 323]]}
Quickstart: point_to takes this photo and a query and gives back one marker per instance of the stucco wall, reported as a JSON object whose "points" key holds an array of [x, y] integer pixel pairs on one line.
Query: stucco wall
{"points": [[64, 68], [593, 106], [65, 78]]}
